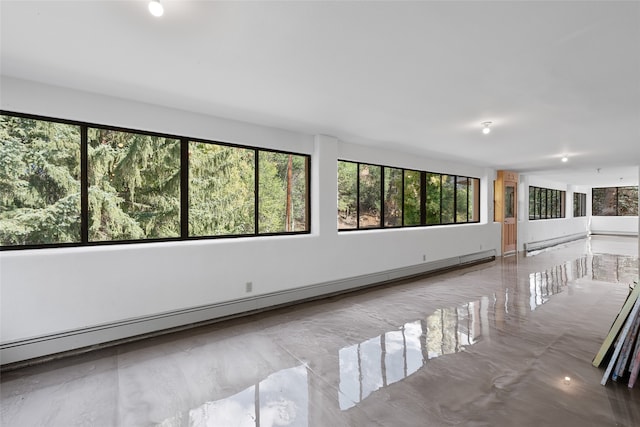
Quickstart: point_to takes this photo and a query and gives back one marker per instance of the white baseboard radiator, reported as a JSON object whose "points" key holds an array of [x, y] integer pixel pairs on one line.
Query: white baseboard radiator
{"points": [[14, 354], [614, 233], [543, 244]]}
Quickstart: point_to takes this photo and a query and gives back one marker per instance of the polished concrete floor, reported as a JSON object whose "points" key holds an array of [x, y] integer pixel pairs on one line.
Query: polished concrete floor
{"points": [[508, 343]]}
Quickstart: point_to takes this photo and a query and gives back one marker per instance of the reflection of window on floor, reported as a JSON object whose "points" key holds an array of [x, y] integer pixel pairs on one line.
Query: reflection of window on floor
{"points": [[614, 268], [543, 284], [393, 356], [281, 399]]}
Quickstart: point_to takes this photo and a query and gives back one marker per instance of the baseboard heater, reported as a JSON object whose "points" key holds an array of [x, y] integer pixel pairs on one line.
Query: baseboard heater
{"points": [[14, 354], [614, 233], [547, 243]]}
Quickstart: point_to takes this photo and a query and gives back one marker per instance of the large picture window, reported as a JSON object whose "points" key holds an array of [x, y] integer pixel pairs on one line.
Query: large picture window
{"points": [[372, 196], [546, 203], [615, 201], [72, 183]]}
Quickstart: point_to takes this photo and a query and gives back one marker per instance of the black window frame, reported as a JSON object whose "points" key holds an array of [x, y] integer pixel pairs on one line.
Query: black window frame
{"points": [[547, 203], [184, 189], [617, 200], [423, 196]]}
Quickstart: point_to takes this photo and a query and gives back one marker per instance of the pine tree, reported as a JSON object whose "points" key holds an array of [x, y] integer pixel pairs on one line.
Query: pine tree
{"points": [[39, 182], [134, 186], [221, 190]]}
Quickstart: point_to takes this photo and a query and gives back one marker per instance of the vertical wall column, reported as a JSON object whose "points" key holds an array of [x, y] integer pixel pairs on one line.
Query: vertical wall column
{"points": [[486, 196], [523, 212], [324, 187]]}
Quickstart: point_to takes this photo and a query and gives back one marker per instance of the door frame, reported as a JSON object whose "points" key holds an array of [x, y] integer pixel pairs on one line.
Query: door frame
{"points": [[508, 225]]}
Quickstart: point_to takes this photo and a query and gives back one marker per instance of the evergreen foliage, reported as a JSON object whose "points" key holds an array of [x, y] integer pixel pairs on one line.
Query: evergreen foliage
{"points": [[392, 197], [449, 199], [134, 185], [411, 197], [370, 198], [39, 182], [221, 190]]}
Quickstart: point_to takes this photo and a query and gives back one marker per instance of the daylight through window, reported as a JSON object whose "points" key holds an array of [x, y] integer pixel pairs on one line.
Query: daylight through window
{"points": [[372, 196], [70, 183]]}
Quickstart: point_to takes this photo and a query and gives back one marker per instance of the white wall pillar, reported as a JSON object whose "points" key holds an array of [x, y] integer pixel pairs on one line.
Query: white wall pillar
{"points": [[324, 187]]}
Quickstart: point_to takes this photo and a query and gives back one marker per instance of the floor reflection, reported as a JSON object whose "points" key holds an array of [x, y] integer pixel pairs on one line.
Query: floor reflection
{"points": [[281, 399], [544, 284], [614, 268], [395, 355]]}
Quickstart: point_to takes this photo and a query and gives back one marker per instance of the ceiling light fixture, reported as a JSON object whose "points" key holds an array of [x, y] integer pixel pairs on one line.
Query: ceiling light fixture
{"points": [[156, 8], [565, 159], [485, 128]]}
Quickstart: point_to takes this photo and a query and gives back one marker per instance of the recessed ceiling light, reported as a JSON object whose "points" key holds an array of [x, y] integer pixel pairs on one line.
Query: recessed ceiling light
{"points": [[486, 128], [565, 159], [156, 8]]}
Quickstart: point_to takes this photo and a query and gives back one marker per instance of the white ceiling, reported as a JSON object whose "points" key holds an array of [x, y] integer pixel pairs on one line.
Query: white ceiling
{"points": [[555, 78]]}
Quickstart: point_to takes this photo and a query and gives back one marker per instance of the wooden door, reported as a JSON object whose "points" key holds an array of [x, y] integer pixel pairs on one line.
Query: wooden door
{"points": [[506, 209], [509, 224]]}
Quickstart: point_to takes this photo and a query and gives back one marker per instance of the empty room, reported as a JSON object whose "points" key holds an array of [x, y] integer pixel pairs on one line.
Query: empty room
{"points": [[319, 213]]}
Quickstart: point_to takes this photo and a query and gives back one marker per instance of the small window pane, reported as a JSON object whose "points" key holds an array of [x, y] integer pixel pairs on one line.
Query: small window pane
{"points": [[474, 200], [392, 197], [448, 195], [347, 195], [433, 198], [221, 190], [462, 191], [39, 182], [370, 197], [282, 192], [604, 201], [411, 197], [509, 202], [532, 203], [134, 186], [543, 203]]}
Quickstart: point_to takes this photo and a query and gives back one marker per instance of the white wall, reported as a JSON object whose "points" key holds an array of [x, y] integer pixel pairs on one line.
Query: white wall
{"points": [[546, 229], [49, 291], [623, 225]]}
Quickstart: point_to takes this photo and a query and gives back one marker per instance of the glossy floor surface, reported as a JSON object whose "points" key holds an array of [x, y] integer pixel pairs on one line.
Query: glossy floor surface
{"points": [[508, 343]]}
